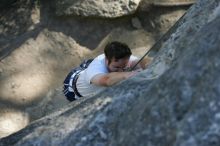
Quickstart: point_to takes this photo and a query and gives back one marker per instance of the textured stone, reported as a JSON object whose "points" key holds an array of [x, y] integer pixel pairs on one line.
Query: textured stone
{"points": [[172, 2], [6, 3], [180, 106], [37, 75], [98, 8]]}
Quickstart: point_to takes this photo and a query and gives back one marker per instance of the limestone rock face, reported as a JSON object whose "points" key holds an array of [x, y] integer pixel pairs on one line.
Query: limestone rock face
{"points": [[179, 106], [38, 49], [172, 2], [97, 8], [111, 8], [6, 3]]}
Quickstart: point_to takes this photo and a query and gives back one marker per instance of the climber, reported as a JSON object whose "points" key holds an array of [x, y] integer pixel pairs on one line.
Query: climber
{"points": [[107, 69]]}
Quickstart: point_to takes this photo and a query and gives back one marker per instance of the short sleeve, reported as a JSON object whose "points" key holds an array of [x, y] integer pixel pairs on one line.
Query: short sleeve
{"points": [[96, 67]]}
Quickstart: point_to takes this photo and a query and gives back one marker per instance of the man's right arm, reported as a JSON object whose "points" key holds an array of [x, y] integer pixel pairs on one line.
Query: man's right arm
{"points": [[110, 79]]}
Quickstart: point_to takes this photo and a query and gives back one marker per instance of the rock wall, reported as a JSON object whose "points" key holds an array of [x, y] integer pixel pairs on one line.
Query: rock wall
{"points": [[6, 3], [38, 48], [98, 8], [179, 106]]}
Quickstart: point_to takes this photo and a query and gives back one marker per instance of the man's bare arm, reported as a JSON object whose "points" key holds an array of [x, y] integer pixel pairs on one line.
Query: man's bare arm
{"points": [[111, 78]]}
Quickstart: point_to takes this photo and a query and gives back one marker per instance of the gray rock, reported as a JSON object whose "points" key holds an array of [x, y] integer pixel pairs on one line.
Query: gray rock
{"points": [[136, 23], [37, 75], [172, 2], [110, 8], [179, 107], [97, 8], [6, 3]]}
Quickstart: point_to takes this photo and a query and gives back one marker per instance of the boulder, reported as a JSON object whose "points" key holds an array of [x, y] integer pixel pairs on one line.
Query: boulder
{"points": [[179, 106], [38, 49], [111, 8], [172, 2], [6, 3], [97, 8]]}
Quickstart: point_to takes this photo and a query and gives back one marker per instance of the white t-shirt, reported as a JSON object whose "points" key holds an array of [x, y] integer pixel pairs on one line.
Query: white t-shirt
{"points": [[97, 66]]}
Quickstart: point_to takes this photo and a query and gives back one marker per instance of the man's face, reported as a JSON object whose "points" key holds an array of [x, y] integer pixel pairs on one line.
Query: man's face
{"points": [[117, 65]]}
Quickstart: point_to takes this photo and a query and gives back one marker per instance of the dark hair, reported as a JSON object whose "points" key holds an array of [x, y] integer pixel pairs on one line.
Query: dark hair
{"points": [[116, 50]]}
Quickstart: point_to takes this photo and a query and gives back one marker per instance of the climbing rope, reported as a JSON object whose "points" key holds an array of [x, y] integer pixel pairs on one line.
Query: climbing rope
{"points": [[164, 37]]}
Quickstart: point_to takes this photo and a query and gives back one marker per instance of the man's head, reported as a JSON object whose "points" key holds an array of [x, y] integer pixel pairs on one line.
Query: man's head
{"points": [[117, 56]]}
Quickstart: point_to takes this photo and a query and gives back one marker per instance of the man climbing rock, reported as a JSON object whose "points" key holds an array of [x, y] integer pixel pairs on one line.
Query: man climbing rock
{"points": [[107, 69]]}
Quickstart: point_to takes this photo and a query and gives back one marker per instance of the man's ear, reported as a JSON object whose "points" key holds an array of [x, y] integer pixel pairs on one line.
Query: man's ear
{"points": [[106, 61]]}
